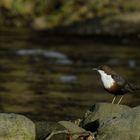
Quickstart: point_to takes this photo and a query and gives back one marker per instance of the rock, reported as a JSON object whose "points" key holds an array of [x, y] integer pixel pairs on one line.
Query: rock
{"points": [[73, 129], [44, 129], [123, 126], [113, 122], [76, 132], [62, 130], [16, 127], [98, 112]]}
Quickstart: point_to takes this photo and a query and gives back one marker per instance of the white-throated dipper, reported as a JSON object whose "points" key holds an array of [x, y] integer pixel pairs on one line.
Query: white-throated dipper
{"points": [[114, 83]]}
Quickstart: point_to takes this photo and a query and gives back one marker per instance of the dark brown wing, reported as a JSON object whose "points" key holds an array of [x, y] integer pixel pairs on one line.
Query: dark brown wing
{"points": [[134, 87], [125, 85], [119, 80]]}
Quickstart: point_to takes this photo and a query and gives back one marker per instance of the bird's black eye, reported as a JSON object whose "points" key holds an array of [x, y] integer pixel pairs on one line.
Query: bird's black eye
{"points": [[100, 67]]}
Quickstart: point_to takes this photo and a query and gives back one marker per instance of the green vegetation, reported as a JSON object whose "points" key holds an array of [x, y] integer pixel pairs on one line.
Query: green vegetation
{"points": [[44, 14]]}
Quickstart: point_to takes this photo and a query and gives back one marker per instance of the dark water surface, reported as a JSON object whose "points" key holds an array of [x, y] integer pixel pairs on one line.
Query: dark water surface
{"points": [[53, 80]]}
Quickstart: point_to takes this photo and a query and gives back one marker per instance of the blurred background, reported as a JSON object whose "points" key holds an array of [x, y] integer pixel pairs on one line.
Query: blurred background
{"points": [[49, 47]]}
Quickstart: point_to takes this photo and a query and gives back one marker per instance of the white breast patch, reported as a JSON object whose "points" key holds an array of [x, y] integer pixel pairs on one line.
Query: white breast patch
{"points": [[107, 80]]}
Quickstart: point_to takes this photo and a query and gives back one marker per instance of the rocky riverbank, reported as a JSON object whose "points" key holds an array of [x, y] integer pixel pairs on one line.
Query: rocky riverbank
{"points": [[73, 17], [103, 121]]}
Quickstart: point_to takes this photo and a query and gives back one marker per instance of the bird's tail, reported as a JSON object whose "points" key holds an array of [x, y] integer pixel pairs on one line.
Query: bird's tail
{"points": [[137, 87], [134, 87]]}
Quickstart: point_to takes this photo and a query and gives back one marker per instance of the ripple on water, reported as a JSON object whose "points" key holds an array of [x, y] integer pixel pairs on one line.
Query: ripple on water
{"points": [[68, 78], [59, 57], [132, 63]]}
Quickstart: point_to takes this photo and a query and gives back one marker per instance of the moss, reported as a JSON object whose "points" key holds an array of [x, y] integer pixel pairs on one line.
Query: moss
{"points": [[61, 12]]}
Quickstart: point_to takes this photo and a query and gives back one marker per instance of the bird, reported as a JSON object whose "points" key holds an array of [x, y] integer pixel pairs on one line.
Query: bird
{"points": [[114, 83]]}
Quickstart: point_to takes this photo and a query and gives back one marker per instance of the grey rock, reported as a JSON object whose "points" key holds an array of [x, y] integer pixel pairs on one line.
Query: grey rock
{"points": [[62, 130], [16, 127], [113, 122], [98, 112], [124, 126], [73, 129], [44, 129]]}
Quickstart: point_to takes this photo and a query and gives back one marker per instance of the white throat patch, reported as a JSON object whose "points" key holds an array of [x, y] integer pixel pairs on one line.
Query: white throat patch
{"points": [[107, 80]]}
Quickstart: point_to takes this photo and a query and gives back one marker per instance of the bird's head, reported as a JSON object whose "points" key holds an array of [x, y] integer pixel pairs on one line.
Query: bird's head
{"points": [[104, 68]]}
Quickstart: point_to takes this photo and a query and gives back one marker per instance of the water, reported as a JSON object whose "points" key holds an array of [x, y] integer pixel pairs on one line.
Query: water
{"points": [[52, 79]]}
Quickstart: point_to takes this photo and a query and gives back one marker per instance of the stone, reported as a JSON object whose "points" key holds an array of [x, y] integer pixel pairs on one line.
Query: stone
{"points": [[44, 129], [123, 126], [16, 127], [63, 130], [76, 132], [113, 122], [94, 116], [73, 129]]}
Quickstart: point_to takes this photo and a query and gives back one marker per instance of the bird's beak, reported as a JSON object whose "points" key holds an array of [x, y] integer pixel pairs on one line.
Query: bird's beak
{"points": [[94, 69]]}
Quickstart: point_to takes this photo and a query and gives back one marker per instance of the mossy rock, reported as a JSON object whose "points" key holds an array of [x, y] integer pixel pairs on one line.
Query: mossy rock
{"points": [[16, 127]]}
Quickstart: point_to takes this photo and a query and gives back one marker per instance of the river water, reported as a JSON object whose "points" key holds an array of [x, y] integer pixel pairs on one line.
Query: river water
{"points": [[51, 78]]}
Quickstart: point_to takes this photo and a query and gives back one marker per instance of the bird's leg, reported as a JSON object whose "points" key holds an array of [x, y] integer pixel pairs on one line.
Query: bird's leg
{"points": [[113, 99], [120, 99]]}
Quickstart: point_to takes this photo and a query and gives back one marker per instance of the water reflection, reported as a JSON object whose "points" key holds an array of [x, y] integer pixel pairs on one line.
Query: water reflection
{"points": [[132, 64], [68, 78], [59, 58], [47, 54]]}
